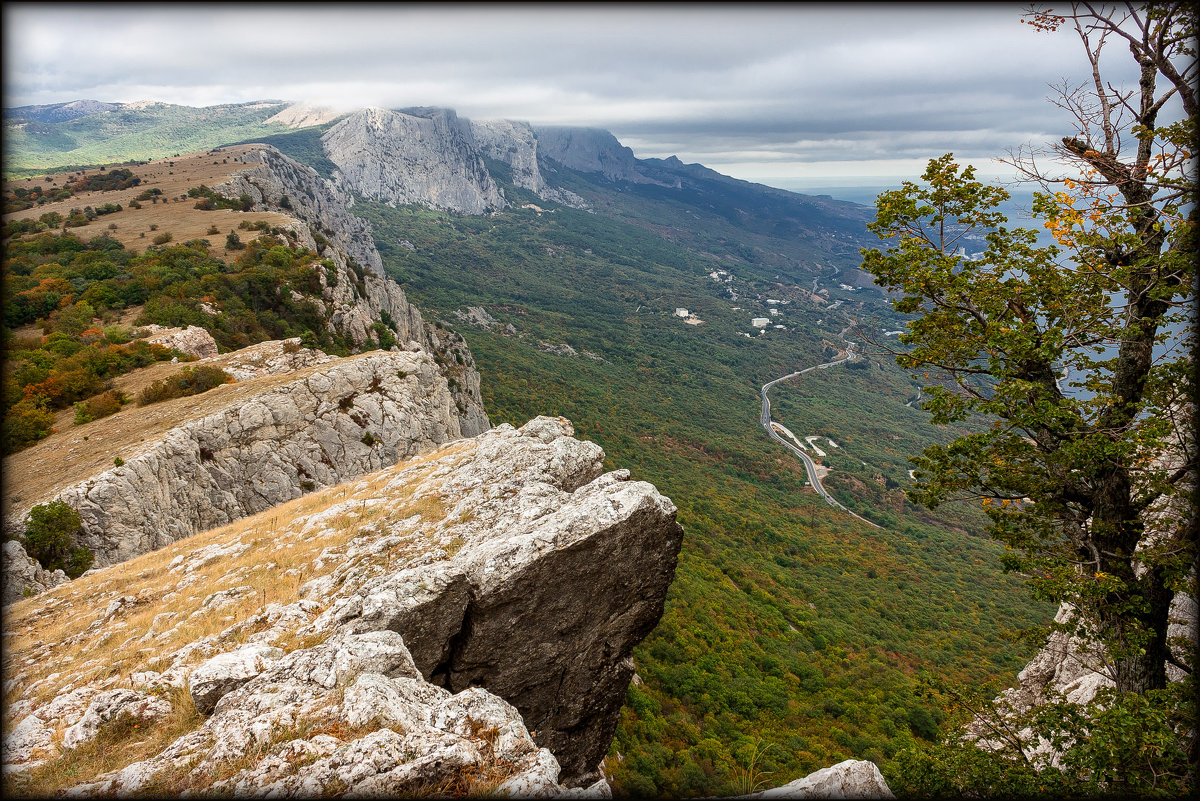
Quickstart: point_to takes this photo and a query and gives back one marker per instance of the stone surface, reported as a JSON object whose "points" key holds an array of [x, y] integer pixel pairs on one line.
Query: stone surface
{"points": [[425, 156], [23, 576], [274, 357], [225, 672], [468, 626], [110, 705], [192, 340], [854, 778], [358, 299], [305, 434]]}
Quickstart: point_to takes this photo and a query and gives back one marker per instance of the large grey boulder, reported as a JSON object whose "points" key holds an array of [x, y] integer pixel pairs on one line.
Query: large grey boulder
{"points": [[225, 672], [23, 576], [854, 778]]}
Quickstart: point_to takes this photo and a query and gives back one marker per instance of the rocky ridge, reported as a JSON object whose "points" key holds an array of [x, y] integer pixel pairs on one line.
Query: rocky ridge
{"points": [[590, 150], [515, 144], [458, 622], [361, 297], [332, 421], [428, 156]]}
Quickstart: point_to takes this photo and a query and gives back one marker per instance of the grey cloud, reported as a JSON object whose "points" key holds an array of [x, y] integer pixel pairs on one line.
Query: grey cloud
{"points": [[844, 82]]}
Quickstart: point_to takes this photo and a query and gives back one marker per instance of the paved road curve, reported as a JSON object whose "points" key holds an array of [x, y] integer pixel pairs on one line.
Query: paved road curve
{"points": [[809, 466]]}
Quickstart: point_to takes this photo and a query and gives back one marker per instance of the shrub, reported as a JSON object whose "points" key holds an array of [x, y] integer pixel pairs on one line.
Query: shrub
{"points": [[163, 238], [188, 381], [25, 423], [118, 461], [234, 242], [50, 533], [98, 406]]}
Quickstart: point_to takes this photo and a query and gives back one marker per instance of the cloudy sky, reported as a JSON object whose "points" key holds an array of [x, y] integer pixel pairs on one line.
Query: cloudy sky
{"points": [[790, 95]]}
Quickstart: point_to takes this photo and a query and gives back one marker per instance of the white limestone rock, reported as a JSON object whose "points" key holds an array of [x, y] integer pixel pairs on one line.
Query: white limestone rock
{"points": [[23, 576], [267, 450], [192, 340], [523, 591], [854, 778], [225, 672], [110, 705], [425, 156]]}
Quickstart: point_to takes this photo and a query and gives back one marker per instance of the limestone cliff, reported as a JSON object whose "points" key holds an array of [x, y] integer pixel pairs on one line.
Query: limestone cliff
{"points": [[424, 156], [459, 623], [266, 442], [515, 144], [589, 150]]}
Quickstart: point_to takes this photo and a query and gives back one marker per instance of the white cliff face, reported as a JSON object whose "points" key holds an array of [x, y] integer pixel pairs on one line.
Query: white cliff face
{"points": [[400, 158], [514, 144], [334, 422], [463, 618]]}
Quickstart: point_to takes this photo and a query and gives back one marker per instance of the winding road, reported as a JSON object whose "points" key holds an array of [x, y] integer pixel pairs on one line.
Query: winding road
{"points": [[809, 466]]}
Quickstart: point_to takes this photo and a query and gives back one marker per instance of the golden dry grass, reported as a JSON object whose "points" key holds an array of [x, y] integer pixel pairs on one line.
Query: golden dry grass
{"points": [[179, 217], [51, 633], [75, 452], [119, 743]]}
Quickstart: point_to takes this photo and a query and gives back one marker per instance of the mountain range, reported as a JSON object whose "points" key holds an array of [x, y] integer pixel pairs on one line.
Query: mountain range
{"points": [[619, 293]]}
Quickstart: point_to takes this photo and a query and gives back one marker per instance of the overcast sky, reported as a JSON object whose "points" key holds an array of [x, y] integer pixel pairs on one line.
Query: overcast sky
{"points": [[788, 94]]}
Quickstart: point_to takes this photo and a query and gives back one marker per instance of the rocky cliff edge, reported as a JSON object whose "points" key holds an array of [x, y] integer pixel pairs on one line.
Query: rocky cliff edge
{"points": [[460, 622]]}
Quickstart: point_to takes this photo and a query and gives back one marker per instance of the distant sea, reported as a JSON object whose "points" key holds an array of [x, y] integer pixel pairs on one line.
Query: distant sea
{"points": [[1017, 209]]}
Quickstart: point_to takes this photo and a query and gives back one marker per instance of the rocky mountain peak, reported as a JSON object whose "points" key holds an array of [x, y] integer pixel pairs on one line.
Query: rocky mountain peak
{"points": [[399, 158]]}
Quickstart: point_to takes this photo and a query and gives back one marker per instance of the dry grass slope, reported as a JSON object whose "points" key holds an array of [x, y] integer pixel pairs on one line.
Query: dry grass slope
{"points": [[51, 642], [179, 217]]}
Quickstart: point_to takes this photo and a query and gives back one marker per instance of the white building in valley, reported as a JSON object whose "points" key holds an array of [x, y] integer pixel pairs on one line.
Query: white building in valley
{"points": [[760, 322]]}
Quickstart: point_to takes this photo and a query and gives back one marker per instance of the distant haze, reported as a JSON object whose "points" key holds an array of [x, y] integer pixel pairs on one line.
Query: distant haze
{"points": [[769, 94]]}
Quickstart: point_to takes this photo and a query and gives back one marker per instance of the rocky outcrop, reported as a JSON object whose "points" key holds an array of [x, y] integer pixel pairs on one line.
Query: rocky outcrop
{"points": [[854, 778], [359, 297], [273, 357], [23, 576], [192, 340], [463, 620], [424, 156], [332, 423]]}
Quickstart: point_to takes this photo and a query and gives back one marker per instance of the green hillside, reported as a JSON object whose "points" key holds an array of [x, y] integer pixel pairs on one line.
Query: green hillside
{"points": [[123, 134], [794, 635]]}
